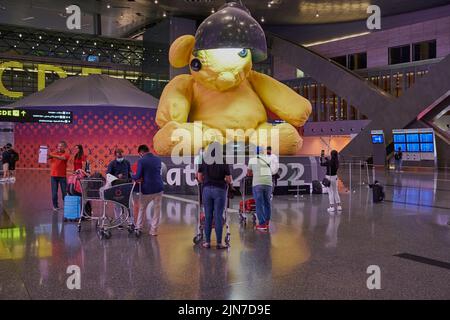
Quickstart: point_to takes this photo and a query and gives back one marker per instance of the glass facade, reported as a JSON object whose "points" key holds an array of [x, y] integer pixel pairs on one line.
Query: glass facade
{"points": [[328, 106], [31, 59]]}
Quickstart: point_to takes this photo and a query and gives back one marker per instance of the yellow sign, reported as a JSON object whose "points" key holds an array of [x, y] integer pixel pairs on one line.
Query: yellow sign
{"points": [[42, 69]]}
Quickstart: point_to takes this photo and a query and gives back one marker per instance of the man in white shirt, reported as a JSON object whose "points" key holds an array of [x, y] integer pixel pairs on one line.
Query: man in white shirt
{"points": [[259, 168]]}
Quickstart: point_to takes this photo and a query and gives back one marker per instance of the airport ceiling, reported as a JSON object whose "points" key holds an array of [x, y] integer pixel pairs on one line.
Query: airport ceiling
{"points": [[122, 17]]}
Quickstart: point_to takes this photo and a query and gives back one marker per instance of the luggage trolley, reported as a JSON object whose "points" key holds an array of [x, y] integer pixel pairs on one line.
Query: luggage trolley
{"points": [[90, 191], [247, 205], [120, 194], [200, 229]]}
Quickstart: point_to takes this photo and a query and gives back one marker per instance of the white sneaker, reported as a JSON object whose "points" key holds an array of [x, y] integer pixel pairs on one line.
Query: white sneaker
{"points": [[4, 179], [339, 209], [12, 179], [330, 210]]}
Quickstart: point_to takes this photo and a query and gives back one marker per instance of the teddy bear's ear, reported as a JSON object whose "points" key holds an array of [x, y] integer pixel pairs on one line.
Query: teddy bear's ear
{"points": [[180, 51]]}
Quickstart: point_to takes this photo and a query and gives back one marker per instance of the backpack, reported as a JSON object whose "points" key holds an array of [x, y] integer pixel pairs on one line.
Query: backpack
{"points": [[14, 156]]}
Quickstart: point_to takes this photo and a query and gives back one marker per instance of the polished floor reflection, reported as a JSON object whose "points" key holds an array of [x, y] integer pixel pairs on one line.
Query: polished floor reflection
{"points": [[308, 254]]}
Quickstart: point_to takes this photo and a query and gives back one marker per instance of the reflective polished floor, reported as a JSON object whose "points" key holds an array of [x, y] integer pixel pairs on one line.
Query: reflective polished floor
{"points": [[308, 254]]}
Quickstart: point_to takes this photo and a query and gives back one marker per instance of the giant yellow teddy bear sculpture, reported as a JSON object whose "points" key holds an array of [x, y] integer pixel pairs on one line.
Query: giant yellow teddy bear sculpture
{"points": [[222, 93]]}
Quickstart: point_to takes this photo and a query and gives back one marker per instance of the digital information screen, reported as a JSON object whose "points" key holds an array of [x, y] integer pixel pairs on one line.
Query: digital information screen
{"points": [[412, 137], [399, 138], [402, 146], [427, 147], [426, 137], [413, 147], [377, 139], [40, 116]]}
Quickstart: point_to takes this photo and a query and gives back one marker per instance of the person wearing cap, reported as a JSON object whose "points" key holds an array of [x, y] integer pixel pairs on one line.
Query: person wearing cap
{"points": [[259, 168]]}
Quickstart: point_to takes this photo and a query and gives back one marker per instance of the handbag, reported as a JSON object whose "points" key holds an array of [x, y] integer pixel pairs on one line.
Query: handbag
{"points": [[326, 182]]}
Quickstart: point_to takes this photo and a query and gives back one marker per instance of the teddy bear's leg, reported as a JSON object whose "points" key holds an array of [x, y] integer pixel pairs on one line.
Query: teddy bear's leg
{"points": [[176, 138], [283, 136]]}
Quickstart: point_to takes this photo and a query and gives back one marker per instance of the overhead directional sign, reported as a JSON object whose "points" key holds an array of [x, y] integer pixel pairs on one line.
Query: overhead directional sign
{"points": [[40, 116]]}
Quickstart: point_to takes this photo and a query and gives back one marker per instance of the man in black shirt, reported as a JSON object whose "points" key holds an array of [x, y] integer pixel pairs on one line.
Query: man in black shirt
{"points": [[215, 176]]}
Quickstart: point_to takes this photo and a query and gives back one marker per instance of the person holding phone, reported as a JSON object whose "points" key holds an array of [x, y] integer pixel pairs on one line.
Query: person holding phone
{"points": [[58, 172], [332, 165]]}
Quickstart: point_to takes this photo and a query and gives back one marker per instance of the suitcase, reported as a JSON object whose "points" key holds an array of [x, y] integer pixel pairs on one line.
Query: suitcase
{"points": [[72, 208], [317, 187], [248, 206], [377, 193]]}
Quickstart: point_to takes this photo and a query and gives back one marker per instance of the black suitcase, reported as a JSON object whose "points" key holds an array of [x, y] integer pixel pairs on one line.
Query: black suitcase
{"points": [[316, 187], [378, 193]]}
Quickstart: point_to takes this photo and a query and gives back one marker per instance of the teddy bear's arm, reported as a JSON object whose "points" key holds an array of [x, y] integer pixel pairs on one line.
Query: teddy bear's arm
{"points": [[175, 101], [280, 99]]}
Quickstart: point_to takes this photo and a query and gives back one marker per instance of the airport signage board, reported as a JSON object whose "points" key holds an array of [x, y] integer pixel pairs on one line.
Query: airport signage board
{"points": [[39, 116]]}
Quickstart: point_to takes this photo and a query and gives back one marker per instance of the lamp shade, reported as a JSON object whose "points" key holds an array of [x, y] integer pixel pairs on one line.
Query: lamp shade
{"points": [[232, 26]]}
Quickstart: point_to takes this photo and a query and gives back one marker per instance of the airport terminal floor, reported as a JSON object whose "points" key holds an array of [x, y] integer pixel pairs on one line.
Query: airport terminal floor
{"points": [[307, 254]]}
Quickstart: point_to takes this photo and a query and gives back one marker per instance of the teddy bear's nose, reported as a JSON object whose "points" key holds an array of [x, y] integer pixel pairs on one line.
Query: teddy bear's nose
{"points": [[225, 80]]}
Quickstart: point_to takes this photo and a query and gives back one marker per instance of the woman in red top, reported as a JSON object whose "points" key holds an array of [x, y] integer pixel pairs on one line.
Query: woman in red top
{"points": [[79, 157]]}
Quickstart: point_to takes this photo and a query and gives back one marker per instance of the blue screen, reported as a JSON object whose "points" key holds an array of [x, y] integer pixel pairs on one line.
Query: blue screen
{"points": [[427, 147], [426, 137], [399, 138], [377, 139], [412, 137], [92, 58], [413, 147], [400, 145]]}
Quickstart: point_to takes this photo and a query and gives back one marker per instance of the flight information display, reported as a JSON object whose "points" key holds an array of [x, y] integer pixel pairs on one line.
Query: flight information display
{"points": [[32, 115]]}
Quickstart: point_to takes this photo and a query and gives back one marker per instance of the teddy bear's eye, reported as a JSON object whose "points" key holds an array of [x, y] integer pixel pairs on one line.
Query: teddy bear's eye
{"points": [[243, 53], [196, 65]]}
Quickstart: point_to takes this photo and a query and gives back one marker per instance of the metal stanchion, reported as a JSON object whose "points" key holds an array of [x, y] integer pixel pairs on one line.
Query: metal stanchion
{"points": [[360, 170], [367, 170], [350, 174], [373, 173]]}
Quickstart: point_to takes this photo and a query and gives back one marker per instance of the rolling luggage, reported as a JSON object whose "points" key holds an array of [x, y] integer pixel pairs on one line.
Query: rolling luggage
{"points": [[72, 208], [377, 192], [317, 187]]}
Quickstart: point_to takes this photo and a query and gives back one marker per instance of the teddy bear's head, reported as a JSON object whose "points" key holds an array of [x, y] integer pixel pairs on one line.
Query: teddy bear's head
{"points": [[217, 69]]}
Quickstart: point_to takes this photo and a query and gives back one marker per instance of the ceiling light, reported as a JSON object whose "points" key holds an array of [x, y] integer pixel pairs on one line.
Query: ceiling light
{"points": [[213, 10], [95, 43], [108, 6], [112, 45], [20, 35], [59, 39], [77, 41], [269, 4], [164, 14], [40, 37], [262, 19], [156, 1], [317, 14]]}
